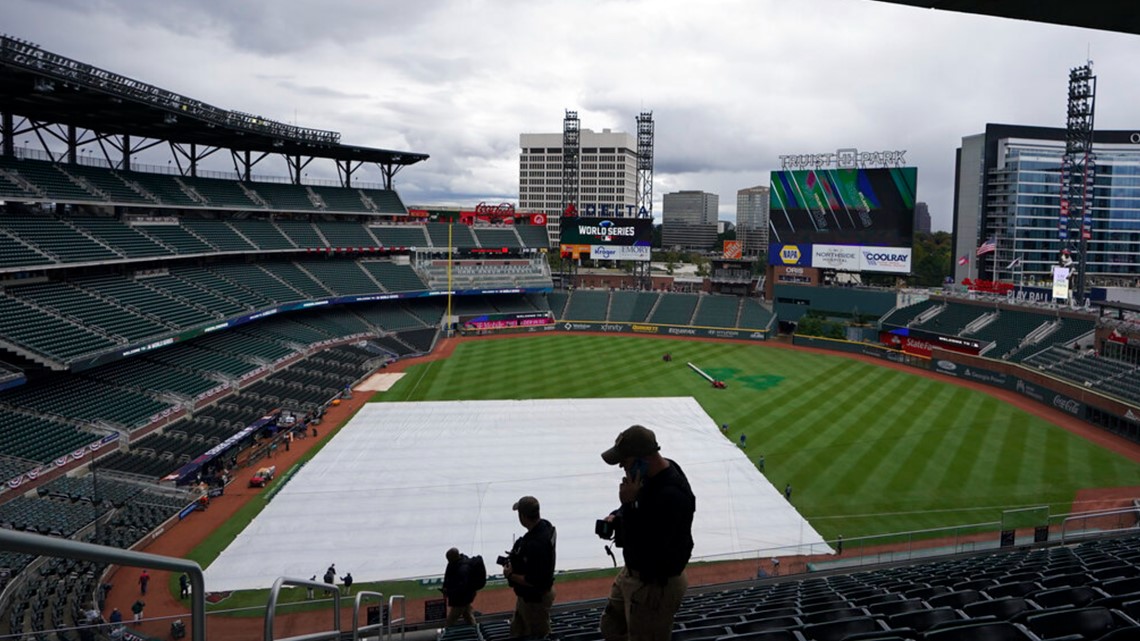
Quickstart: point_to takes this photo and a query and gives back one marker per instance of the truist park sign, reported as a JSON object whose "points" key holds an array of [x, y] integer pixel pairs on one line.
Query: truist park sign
{"points": [[848, 158]]}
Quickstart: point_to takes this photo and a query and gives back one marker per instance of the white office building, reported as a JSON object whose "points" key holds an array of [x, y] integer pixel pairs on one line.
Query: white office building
{"points": [[607, 175]]}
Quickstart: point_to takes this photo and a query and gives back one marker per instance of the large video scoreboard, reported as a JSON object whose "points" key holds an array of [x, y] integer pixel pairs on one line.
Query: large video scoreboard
{"points": [[848, 219], [606, 238]]}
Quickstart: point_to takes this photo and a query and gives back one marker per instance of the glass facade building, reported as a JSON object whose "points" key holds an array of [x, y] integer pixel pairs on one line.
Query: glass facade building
{"points": [[1008, 188]]}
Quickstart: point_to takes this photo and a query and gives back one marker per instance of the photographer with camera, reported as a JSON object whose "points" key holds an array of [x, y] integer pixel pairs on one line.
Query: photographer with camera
{"points": [[529, 570], [653, 527], [463, 577]]}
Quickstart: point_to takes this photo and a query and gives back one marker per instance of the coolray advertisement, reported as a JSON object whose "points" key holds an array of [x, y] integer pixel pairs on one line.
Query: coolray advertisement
{"points": [[892, 260], [843, 206]]}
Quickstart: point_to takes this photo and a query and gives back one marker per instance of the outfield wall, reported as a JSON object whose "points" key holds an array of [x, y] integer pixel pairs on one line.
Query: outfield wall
{"points": [[1083, 403], [658, 329], [1088, 405]]}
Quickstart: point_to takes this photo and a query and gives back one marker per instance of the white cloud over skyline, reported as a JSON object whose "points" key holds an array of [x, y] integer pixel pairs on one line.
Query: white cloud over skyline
{"points": [[732, 84]]}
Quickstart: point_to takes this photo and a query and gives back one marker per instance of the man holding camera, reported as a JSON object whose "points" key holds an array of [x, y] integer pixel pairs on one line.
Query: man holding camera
{"points": [[529, 570], [654, 528]]}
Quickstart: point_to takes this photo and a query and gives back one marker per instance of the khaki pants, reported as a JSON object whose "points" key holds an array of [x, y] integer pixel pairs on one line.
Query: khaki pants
{"points": [[638, 611], [532, 619], [457, 613]]}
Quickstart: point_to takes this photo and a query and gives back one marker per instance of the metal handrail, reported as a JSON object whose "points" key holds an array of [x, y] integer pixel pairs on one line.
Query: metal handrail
{"points": [[392, 619], [39, 545], [1093, 515], [271, 609], [356, 629]]}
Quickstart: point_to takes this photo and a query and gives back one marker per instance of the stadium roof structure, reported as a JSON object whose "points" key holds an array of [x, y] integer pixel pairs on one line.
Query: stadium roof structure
{"points": [[1105, 15], [47, 87]]}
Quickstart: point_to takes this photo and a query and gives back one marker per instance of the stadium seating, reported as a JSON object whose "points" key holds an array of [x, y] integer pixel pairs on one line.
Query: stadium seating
{"points": [[163, 188], [394, 277], [257, 279], [50, 181], [33, 437], [587, 304], [401, 235], [533, 236], [343, 277], [283, 196], [17, 253], [675, 309], [106, 184], [497, 237], [717, 311], [125, 239], [263, 234], [461, 235], [219, 234], [220, 194], [40, 331], [296, 277], [55, 238], [902, 316], [754, 316], [176, 237], [386, 201], [341, 200], [346, 235], [631, 306], [302, 234], [70, 301]]}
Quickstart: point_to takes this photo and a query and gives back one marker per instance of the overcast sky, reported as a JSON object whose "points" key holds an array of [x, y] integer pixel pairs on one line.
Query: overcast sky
{"points": [[732, 84]]}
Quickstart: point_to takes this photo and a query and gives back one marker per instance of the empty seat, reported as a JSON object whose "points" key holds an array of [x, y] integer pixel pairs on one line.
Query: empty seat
{"points": [[1005, 608], [695, 634], [923, 620], [1077, 597], [1120, 586], [768, 635], [1015, 588], [993, 631], [955, 599], [842, 628], [771, 623], [887, 608], [1090, 623]]}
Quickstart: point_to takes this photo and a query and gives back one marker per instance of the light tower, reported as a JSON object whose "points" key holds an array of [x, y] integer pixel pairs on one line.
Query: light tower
{"points": [[1078, 168], [645, 164], [571, 182]]}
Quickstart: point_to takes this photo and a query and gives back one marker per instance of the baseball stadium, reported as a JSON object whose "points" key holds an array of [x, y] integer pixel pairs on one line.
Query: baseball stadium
{"points": [[285, 400]]}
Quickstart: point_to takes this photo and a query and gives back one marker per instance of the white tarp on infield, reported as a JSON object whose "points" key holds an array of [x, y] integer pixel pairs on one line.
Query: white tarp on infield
{"points": [[403, 482]]}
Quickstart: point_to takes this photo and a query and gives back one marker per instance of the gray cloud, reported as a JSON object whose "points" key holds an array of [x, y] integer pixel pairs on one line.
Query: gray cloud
{"points": [[732, 84]]}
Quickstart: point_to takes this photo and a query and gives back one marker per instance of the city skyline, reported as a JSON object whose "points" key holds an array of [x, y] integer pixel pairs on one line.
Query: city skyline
{"points": [[732, 85]]}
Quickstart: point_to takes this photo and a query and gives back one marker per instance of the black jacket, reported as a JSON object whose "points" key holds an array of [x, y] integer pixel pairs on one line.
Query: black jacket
{"points": [[658, 526], [456, 584], [533, 557]]}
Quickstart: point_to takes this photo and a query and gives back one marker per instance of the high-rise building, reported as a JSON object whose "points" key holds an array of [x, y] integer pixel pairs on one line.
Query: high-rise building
{"points": [[689, 220], [1008, 189], [752, 219], [607, 175], [921, 218]]}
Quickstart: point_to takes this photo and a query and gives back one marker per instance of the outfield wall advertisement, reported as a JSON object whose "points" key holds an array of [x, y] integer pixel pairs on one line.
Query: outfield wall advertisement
{"points": [[655, 329], [843, 258]]}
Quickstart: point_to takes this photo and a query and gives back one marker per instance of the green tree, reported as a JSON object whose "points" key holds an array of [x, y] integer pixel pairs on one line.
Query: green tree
{"points": [[932, 259]]}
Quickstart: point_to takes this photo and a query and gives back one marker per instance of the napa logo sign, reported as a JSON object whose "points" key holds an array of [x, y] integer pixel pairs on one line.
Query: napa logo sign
{"points": [[788, 254]]}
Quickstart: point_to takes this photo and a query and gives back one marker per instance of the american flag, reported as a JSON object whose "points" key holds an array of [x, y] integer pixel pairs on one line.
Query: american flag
{"points": [[987, 247], [964, 260], [1014, 263]]}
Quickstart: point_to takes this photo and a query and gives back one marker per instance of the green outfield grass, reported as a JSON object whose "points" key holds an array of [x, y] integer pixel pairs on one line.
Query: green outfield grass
{"points": [[867, 449]]}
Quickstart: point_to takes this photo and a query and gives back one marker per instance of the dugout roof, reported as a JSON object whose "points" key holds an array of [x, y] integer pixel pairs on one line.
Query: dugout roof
{"points": [[1106, 15], [48, 87]]}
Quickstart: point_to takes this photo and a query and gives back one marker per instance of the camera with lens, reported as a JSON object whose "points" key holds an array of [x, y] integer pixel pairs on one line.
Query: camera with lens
{"points": [[502, 560], [610, 530]]}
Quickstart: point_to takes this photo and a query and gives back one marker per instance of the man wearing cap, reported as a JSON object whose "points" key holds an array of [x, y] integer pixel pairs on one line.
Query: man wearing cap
{"points": [[530, 572], [656, 522]]}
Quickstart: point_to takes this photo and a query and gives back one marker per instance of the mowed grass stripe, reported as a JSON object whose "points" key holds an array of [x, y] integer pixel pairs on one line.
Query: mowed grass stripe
{"points": [[855, 439]]}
